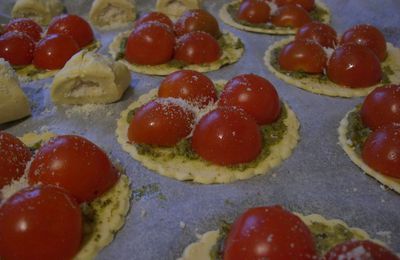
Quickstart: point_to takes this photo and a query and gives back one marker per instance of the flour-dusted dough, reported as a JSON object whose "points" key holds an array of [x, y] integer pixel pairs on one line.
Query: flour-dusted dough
{"points": [[41, 11], [90, 78], [13, 102], [346, 144], [112, 14], [176, 8], [328, 87]]}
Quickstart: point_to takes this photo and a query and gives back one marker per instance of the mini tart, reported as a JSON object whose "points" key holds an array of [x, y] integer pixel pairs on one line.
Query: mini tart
{"points": [[184, 169], [232, 49], [321, 13], [348, 147], [200, 250], [320, 84], [102, 217]]}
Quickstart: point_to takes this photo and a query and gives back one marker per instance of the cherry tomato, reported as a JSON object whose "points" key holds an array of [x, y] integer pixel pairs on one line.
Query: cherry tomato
{"points": [[17, 48], [269, 233], [227, 136], [319, 32], [382, 107], [74, 26], [255, 95], [369, 36], [45, 220], [25, 25], [197, 20], [155, 17], [75, 164], [53, 51], [303, 55], [189, 85], [14, 156], [197, 47], [254, 11], [160, 122], [291, 15], [306, 4], [151, 43], [360, 250], [381, 150]]}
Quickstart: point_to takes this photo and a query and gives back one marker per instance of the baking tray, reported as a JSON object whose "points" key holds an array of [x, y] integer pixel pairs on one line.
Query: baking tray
{"points": [[318, 178]]}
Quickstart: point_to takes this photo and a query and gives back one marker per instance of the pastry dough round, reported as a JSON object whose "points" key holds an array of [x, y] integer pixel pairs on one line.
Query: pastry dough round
{"points": [[41, 11], [175, 8], [112, 14]]}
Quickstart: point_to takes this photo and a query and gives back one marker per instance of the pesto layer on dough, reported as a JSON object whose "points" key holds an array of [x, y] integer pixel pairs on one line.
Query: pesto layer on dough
{"points": [[357, 133]]}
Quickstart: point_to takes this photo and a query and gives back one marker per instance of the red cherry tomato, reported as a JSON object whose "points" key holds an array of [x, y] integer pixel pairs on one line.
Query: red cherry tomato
{"points": [[155, 17], [197, 47], [369, 36], [382, 107], [189, 85], [360, 250], [354, 66], [254, 11], [306, 4], [381, 150], [227, 136], [303, 55], [25, 25], [14, 156], [45, 220], [255, 95], [160, 122], [75, 164], [269, 233], [197, 20], [151, 43], [291, 15], [74, 26], [17, 48], [319, 32]]}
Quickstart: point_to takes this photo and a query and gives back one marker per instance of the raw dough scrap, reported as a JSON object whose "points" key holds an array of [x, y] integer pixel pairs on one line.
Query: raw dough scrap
{"points": [[176, 8], [112, 14], [41, 11]]}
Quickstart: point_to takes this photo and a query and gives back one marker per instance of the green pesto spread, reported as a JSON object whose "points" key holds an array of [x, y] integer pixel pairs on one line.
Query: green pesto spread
{"points": [[357, 132]]}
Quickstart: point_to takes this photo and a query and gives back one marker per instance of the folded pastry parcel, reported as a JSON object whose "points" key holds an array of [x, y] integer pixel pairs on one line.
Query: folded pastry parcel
{"points": [[41, 11], [176, 7], [109, 14]]}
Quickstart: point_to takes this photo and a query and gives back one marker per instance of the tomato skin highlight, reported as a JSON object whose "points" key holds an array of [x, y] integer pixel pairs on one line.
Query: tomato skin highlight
{"points": [[381, 151], [290, 15], [17, 48], [197, 48], [155, 17], [150, 43], [189, 85], [269, 233], [14, 156], [320, 32], [197, 20], [254, 11], [255, 95], [25, 25], [309, 5], [354, 66], [227, 136], [45, 220], [75, 164], [381, 107]]}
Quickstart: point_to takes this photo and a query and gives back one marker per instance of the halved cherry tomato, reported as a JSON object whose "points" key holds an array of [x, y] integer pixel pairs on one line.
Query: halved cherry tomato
{"points": [[254, 11], [319, 32], [53, 51], [354, 66], [160, 122], [303, 55], [197, 20], [75, 164], [381, 107], [381, 150], [254, 94], [306, 4], [17, 48], [155, 17], [150, 43], [14, 156], [269, 233], [189, 85], [291, 15], [369, 36], [360, 250], [45, 220], [25, 25], [197, 47], [74, 26], [227, 136]]}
